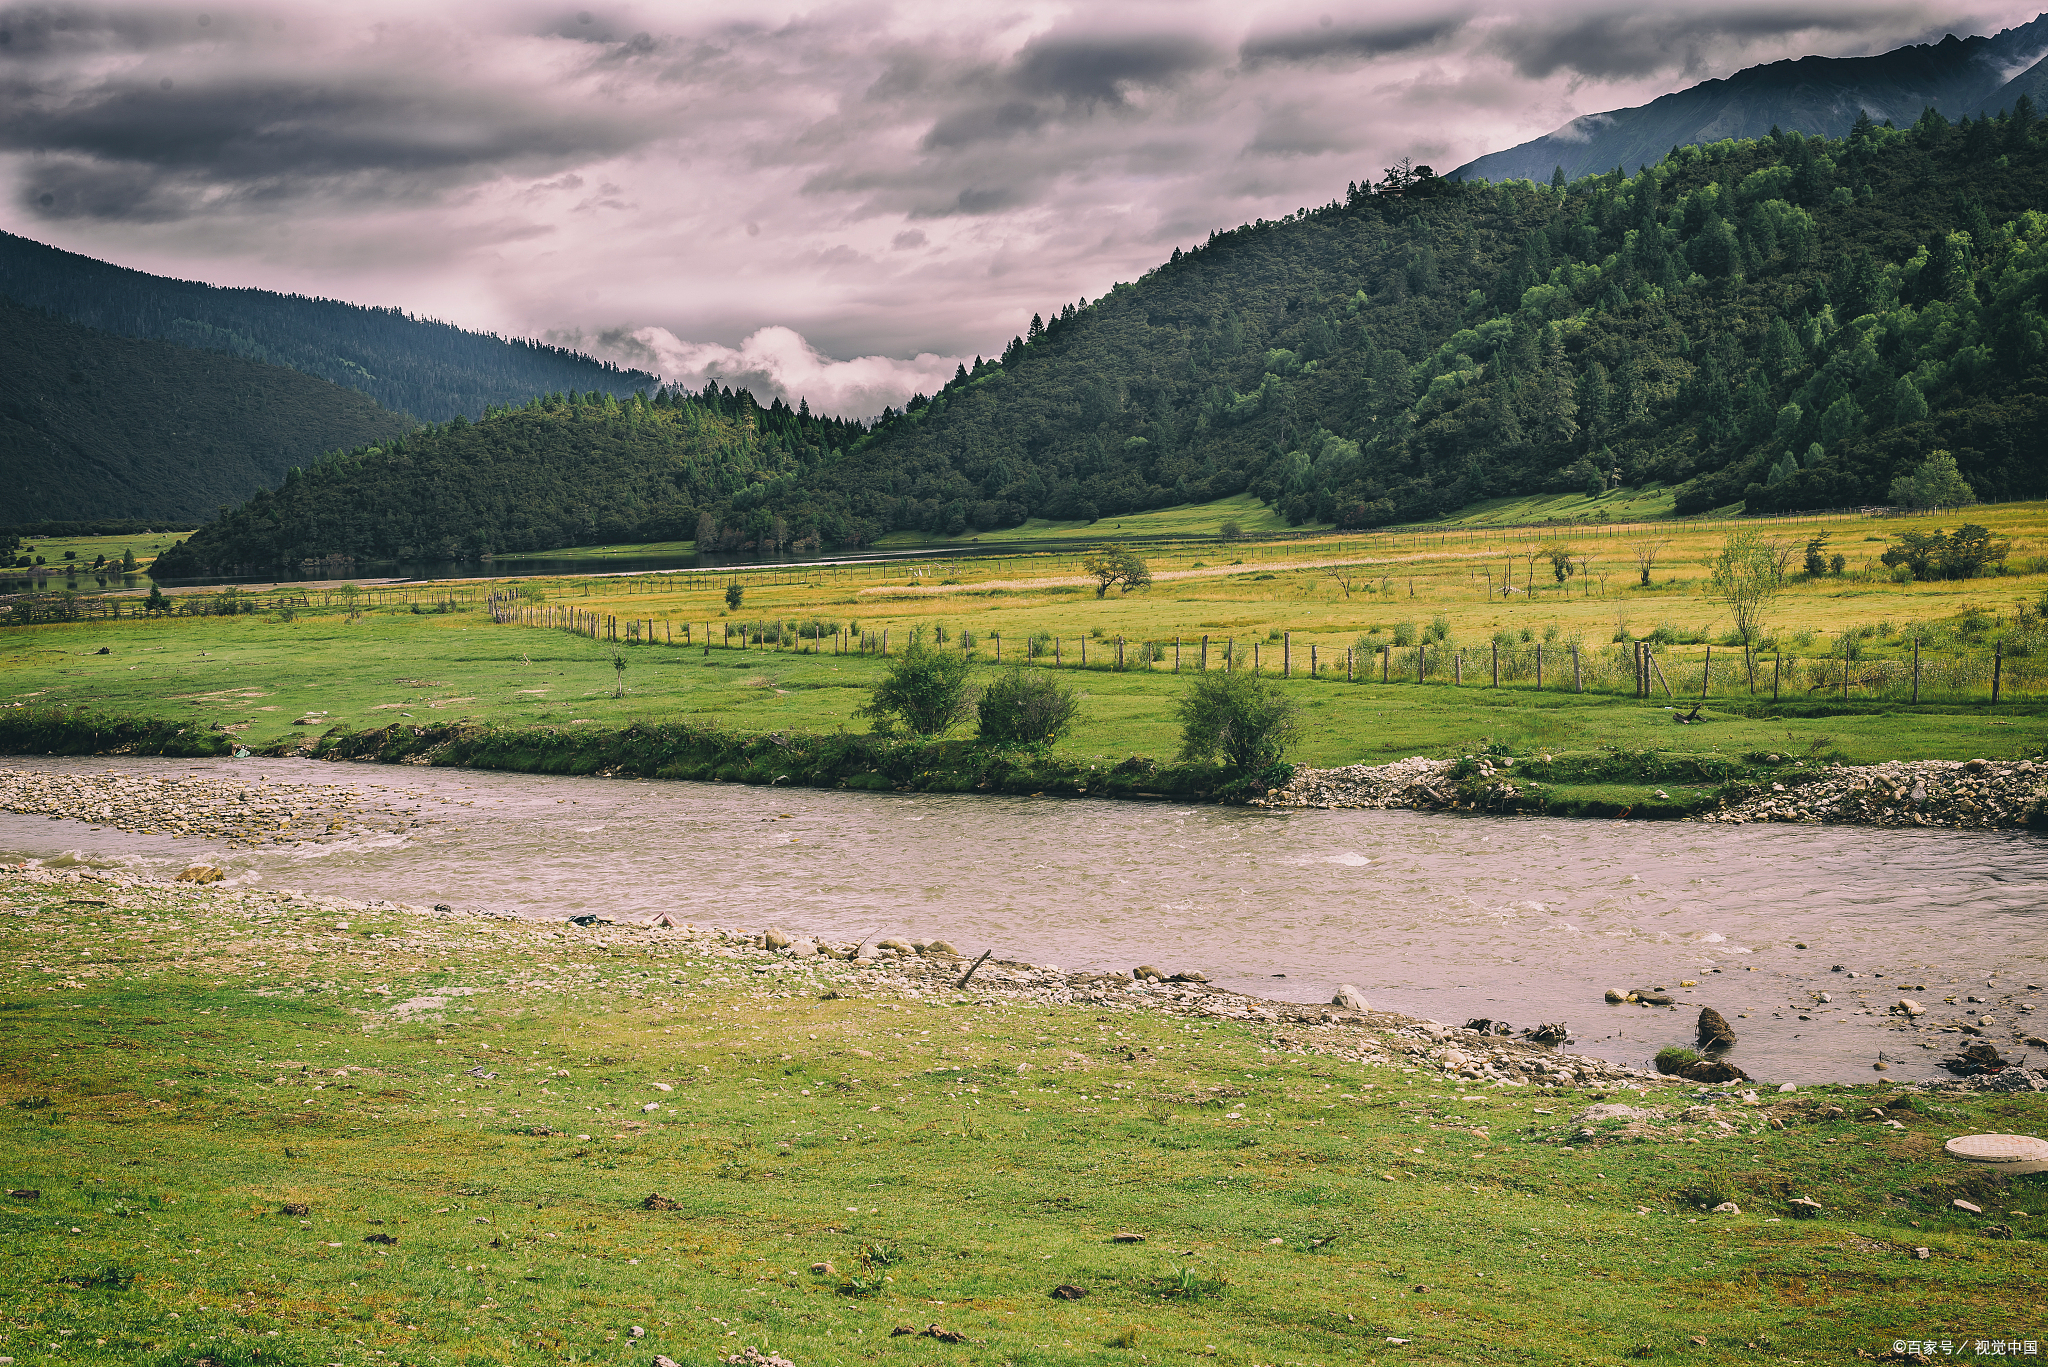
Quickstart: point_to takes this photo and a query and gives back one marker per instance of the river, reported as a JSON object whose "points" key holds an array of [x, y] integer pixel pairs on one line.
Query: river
{"points": [[1443, 916]]}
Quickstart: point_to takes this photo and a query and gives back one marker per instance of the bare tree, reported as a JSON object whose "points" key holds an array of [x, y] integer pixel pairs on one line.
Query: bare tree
{"points": [[1646, 553], [1781, 553]]}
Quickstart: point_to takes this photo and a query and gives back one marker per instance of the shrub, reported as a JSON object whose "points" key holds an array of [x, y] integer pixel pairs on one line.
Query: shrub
{"points": [[1405, 634], [925, 690], [1026, 707], [1439, 628], [734, 592], [1237, 715]]}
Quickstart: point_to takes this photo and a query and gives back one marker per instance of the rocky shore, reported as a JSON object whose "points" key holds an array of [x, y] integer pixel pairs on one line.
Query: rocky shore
{"points": [[241, 811], [1972, 794], [1415, 783]]}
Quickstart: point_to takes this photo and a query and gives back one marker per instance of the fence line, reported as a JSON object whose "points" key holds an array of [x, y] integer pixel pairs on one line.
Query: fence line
{"points": [[1640, 669]]}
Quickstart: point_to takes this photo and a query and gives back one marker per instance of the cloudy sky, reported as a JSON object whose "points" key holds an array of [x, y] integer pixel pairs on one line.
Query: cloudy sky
{"points": [[839, 199]]}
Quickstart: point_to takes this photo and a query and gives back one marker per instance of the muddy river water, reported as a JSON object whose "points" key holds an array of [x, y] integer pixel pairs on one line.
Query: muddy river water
{"points": [[1442, 916]]}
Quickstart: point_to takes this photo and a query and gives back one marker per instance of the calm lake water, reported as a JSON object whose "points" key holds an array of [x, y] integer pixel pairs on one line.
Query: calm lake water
{"points": [[1446, 917]]}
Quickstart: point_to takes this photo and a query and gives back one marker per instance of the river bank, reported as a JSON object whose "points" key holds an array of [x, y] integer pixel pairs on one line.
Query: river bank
{"points": [[1610, 783], [293, 1127]]}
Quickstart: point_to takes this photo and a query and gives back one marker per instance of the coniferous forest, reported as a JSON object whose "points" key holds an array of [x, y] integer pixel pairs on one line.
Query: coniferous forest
{"points": [[1779, 323], [95, 426]]}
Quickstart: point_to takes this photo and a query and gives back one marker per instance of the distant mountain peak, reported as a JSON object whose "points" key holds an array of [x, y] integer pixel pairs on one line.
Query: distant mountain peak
{"points": [[1817, 95]]}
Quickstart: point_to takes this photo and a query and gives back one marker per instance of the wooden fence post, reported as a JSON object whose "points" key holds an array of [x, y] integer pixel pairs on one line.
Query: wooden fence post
{"points": [[1421, 663], [1777, 671], [1458, 669], [1578, 680], [1997, 668], [1539, 664], [1176, 654], [1286, 654], [1916, 669], [1119, 653], [1349, 666], [1204, 666], [1312, 661]]}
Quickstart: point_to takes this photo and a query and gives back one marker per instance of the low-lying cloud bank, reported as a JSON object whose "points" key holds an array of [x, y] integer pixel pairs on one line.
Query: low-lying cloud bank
{"points": [[774, 362]]}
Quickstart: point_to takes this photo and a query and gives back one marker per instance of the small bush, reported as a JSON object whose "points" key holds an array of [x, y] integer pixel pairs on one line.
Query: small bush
{"points": [[1405, 634], [1439, 628], [925, 690], [1026, 707], [1236, 714]]}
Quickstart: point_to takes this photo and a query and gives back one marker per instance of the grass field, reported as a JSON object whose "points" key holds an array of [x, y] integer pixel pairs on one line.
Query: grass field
{"points": [[369, 660], [1193, 521], [1617, 505], [268, 1132]]}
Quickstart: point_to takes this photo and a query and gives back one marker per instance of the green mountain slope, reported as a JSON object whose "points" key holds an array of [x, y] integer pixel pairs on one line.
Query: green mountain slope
{"points": [[409, 365], [96, 426], [1792, 321]]}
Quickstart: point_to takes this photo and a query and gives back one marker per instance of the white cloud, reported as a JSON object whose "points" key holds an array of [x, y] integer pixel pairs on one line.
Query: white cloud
{"points": [[776, 362]]}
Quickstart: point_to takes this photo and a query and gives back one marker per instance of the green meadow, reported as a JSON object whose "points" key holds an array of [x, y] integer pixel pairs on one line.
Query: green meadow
{"points": [[1347, 620]]}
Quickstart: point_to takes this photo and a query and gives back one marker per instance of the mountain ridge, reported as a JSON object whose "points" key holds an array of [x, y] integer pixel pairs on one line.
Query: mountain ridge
{"points": [[1811, 95], [423, 367]]}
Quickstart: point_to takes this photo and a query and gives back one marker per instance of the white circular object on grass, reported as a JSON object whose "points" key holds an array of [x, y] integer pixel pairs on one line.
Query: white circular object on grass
{"points": [[2011, 1154]]}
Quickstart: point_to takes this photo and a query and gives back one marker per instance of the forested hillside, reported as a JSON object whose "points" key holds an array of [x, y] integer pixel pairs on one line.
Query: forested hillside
{"points": [[1790, 321], [565, 470], [409, 365], [94, 426]]}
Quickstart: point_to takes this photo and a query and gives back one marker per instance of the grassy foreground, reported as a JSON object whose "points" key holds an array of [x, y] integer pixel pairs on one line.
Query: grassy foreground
{"points": [[266, 1129]]}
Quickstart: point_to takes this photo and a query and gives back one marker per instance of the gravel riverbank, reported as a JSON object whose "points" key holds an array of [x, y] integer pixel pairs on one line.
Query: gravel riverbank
{"points": [[1974, 794], [1969, 794], [251, 811]]}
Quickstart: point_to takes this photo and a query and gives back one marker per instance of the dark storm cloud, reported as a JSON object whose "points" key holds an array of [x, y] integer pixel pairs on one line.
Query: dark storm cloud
{"points": [[1090, 68], [1331, 41], [1612, 44], [1057, 77], [157, 147]]}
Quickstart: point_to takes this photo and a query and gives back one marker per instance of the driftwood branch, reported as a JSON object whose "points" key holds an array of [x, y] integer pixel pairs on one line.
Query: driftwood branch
{"points": [[970, 969]]}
